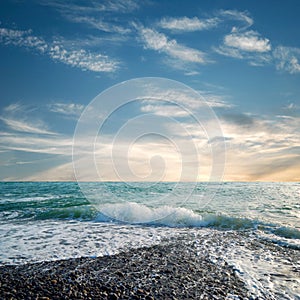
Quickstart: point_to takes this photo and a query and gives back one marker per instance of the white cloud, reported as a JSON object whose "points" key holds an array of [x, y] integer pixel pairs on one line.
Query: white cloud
{"points": [[188, 104], [159, 42], [214, 100], [174, 96], [46, 144], [237, 15], [227, 51], [262, 147], [25, 126], [242, 43], [253, 58], [249, 41], [254, 143], [98, 24], [82, 59], [96, 14], [191, 73], [69, 109], [79, 58], [185, 24], [247, 45], [13, 107], [89, 6], [188, 99], [291, 107], [15, 117], [164, 110], [22, 39], [120, 6], [287, 59]]}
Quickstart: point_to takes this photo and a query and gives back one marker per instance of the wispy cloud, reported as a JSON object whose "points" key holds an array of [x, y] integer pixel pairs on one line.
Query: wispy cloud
{"points": [[238, 16], [24, 126], [191, 73], [185, 24], [188, 106], [91, 6], [22, 38], [292, 107], [215, 100], [247, 41], [15, 118], [79, 58], [188, 99], [46, 144], [261, 147], [13, 107], [254, 143], [287, 59], [157, 41], [247, 45], [96, 14], [163, 110], [82, 59], [68, 109], [98, 24], [242, 43]]}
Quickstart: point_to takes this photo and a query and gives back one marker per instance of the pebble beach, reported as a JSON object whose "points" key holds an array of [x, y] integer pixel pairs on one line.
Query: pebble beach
{"points": [[170, 271]]}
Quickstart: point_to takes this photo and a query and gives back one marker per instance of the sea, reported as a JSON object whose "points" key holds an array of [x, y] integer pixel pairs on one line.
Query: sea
{"points": [[253, 226]]}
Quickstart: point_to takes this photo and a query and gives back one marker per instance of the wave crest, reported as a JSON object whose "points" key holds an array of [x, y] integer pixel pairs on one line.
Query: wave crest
{"points": [[132, 212]]}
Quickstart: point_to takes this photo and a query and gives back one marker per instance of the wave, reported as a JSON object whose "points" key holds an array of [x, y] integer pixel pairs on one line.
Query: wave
{"points": [[134, 213]]}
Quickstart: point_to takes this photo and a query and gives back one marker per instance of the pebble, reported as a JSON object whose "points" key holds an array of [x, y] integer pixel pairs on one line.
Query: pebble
{"points": [[165, 271]]}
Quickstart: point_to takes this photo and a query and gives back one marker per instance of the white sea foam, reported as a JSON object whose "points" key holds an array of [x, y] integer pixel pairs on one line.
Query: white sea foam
{"points": [[59, 239], [132, 212]]}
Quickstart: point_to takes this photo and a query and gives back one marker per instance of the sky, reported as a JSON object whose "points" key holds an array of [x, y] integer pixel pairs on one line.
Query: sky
{"points": [[241, 57]]}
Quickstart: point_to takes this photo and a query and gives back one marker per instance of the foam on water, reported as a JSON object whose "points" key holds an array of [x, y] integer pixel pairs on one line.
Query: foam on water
{"points": [[132, 212], [60, 239]]}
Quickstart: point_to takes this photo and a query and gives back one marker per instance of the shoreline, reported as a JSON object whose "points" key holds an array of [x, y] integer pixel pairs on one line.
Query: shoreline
{"points": [[165, 271]]}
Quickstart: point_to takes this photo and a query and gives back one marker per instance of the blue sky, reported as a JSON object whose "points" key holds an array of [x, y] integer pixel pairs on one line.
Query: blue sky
{"points": [[243, 57]]}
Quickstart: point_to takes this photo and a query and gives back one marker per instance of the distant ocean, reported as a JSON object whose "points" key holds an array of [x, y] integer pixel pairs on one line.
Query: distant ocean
{"points": [[53, 220]]}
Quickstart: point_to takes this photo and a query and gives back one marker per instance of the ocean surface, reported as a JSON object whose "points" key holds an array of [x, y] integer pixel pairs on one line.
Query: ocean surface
{"points": [[257, 225]]}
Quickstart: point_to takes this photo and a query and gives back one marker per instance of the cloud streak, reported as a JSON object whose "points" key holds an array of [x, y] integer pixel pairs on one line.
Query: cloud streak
{"points": [[25, 126], [247, 45], [247, 41], [258, 147], [83, 59], [68, 109], [98, 24], [262, 148], [238, 16], [14, 117], [78, 58], [287, 59], [159, 42], [90, 6], [96, 14], [185, 24]]}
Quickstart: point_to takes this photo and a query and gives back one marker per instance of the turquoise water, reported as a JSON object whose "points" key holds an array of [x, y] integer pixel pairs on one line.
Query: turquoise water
{"points": [[273, 207], [46, 221]]}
